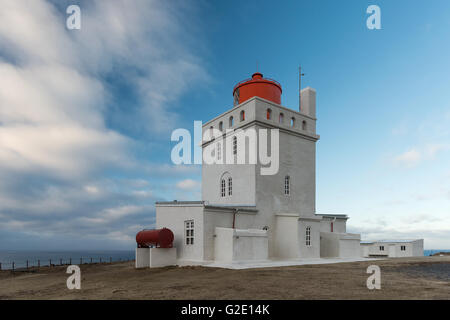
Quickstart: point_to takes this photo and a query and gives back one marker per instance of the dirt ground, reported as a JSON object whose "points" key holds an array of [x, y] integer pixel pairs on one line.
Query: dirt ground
{"points": [[401, 278]]}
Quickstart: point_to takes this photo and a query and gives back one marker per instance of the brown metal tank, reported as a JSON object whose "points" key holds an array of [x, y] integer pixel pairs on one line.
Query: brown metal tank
{"points": [[265, 88], [162, 238]]}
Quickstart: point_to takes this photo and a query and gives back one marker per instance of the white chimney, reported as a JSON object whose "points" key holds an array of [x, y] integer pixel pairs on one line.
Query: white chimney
{"points": [[308, 102]]}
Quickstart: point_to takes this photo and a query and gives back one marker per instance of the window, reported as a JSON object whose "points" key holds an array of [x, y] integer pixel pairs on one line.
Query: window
{"points": [[381, 248], [402, 248], [211, 132], [221, 126], [281, 118], [287, 185], [304, 125], [231, 122], [230, 186], [236, 97], [242, 115], [308, 236], [292, 122], [222, 187], [189, 231], [234, 145], [219, 151], [332, 226], [269, 114]]}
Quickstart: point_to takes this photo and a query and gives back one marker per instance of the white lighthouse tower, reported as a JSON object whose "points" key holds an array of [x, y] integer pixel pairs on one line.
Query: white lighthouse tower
{"points": [[258, 210]]}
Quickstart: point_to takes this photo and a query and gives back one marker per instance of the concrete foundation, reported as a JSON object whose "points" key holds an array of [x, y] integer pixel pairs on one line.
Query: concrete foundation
{"points": [[155, 257]]}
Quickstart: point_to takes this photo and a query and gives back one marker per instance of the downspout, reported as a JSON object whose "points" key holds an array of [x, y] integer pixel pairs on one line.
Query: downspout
{"points": [[332, 224], [234, 217]]}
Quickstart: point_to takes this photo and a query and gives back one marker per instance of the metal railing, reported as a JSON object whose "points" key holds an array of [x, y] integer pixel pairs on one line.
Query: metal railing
{"points": [[25, 265]]}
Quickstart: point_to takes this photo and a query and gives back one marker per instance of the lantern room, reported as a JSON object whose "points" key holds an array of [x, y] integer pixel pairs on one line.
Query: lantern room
{"points": [[259, 86]]}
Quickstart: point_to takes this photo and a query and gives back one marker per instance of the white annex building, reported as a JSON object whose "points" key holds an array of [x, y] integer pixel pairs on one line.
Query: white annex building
{"points": [[245, 215], [392, 248]]}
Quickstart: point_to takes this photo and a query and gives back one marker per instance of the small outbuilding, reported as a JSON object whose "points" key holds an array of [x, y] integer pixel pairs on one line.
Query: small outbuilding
{"points": [[392, 248]]}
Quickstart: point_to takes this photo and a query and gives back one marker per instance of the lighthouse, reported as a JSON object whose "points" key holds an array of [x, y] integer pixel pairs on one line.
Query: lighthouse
{"points": [[245, 215]]}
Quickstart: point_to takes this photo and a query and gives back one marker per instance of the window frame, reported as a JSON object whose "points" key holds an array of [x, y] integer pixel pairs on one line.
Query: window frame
{"points": [[222, 188], [230, 186], [287, 185], [189, 232], [308, 236], [219, 151]]}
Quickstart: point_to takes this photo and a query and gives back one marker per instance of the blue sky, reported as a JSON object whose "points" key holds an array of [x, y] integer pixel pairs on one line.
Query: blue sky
{"points": [[86, 115]]}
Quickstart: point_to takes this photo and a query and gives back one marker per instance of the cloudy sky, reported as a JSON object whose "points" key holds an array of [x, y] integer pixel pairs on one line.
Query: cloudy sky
{"points": [[86, 115]]}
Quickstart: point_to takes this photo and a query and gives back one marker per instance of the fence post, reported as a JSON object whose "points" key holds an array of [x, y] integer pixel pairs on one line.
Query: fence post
{"points": [[49, 262], [27, 264], [0, 266], [91, 259], [70, 261], [100, 260], [13, 266], [110, 259]]}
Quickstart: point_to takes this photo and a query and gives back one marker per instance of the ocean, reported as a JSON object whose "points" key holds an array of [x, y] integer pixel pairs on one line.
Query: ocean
{"points": [[44, 258], [430, 252]]}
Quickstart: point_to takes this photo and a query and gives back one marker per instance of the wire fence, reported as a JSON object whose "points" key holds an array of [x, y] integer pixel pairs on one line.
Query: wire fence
{"points": [[24, 265]]}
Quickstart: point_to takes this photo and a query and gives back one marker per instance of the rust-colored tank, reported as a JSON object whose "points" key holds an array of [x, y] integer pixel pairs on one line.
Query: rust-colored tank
{"points": [[257, 86], [162, 238]]}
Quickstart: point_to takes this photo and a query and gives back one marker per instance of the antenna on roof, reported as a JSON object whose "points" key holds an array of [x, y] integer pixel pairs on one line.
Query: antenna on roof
{"points": [[300, 75]]}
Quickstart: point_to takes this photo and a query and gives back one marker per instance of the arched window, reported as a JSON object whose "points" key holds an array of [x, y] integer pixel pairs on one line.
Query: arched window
{"points": [[211, 132], [234, 145], [269, 114], [292, 122], [242, 115], [281, 118], [287, 185], [222, 187], [304, 125], [219, 151], [226, 180], [308, 236], [231, 122], [221, 126]]}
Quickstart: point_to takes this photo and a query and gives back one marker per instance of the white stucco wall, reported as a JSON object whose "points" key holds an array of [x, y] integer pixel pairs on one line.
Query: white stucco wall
{"points": [[349, 248], [162, 257], [173, 216], [329, 245], [312, 251], [142, 259], [286, 240], [240, 245]]}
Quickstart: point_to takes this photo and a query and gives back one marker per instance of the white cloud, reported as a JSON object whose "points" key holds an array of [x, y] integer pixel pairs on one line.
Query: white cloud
{"points": [[415, 156], [58, 107], [409, 158], [188, 184]]}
